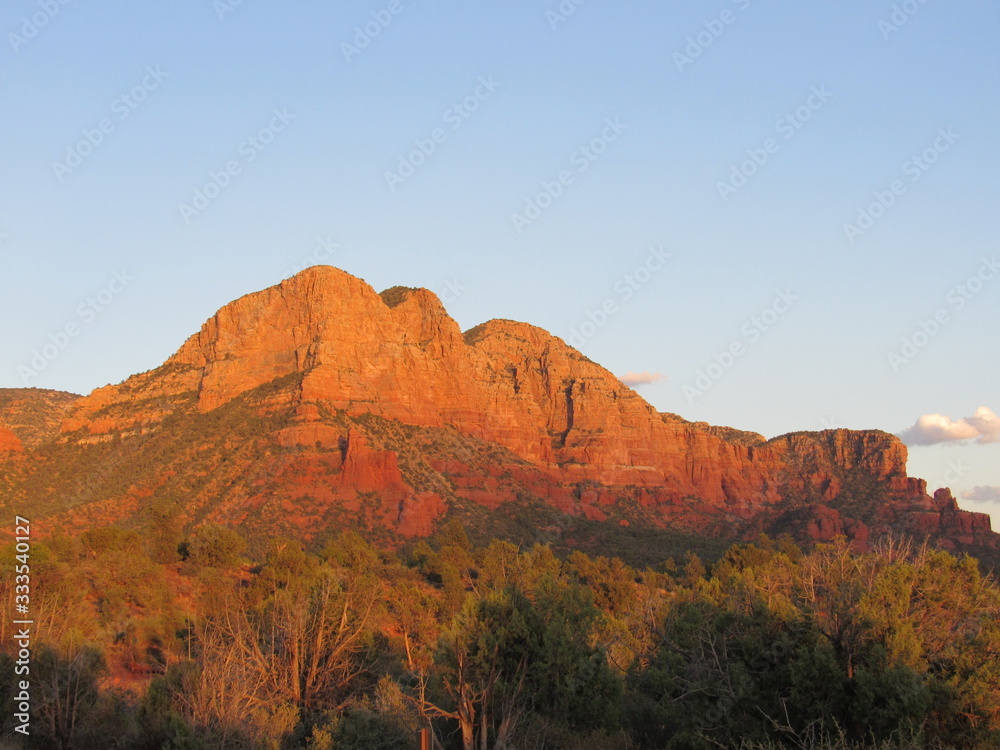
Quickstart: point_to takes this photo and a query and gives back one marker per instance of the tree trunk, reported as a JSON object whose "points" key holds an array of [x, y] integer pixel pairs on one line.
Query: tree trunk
{"points": [[468, 736]]}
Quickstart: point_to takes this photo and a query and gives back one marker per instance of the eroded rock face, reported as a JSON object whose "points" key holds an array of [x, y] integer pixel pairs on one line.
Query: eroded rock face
{"points": [[941, 518], [405, 359], [335, 346]]}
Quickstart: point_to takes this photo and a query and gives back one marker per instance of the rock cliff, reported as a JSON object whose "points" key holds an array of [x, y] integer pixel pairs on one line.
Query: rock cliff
{"points": [[382, 397]]}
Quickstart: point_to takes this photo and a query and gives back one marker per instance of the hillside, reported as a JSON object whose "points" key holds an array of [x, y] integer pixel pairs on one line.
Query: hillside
{"points": [[34, 415]]}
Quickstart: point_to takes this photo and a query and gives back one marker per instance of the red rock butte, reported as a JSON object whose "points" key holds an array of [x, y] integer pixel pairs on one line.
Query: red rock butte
{"points": [[578, 437]]}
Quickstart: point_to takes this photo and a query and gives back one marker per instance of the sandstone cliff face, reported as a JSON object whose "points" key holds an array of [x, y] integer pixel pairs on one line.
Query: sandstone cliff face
{"points": [[405, 359], [583, 439], [877, 453]]}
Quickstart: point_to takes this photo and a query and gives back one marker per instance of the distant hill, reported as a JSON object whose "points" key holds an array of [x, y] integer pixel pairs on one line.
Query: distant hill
{"points": [[34, 414]]}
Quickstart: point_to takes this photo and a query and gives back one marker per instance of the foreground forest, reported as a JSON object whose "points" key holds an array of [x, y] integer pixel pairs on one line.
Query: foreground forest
{"points": [[152, 641]]}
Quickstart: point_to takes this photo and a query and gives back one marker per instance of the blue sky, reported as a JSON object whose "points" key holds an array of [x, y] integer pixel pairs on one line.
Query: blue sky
{"points": [[743, 137]]}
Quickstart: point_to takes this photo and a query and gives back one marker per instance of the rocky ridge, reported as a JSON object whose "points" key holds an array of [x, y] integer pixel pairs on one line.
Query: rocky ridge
{"points": [[337, 369]]}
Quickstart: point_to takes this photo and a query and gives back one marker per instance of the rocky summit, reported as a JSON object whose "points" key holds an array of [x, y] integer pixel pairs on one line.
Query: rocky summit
{"points": [[319, 402]]}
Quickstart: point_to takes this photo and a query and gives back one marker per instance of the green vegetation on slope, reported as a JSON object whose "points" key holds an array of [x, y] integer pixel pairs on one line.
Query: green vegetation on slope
{"points": [[209, 645]]}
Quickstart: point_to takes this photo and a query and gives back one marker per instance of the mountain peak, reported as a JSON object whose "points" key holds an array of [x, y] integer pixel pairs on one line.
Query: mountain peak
{"points": [[321, 317], [337, 356]]}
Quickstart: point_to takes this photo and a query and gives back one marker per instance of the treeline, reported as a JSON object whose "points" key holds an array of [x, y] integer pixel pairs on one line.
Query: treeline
{"points": [[205, 644]]}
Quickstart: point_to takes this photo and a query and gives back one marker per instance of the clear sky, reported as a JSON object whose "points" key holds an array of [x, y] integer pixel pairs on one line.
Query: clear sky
{"points": [[523, 159]]}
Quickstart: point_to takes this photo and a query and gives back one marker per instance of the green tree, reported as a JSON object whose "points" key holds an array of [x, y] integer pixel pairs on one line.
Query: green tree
{"points": [[216, 546], [508, 656]]}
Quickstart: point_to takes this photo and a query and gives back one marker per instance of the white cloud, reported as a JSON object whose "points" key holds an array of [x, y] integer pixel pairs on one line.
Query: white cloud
{"points": [[930, 429], [983, 494], [634, 379]]}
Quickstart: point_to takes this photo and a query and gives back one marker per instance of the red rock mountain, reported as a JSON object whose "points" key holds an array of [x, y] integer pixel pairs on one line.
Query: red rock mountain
{"points": [[319, 400]]}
